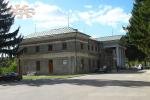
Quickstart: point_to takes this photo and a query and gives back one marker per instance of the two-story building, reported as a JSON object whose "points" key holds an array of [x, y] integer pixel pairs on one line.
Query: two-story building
{"points": [[63, 51]]}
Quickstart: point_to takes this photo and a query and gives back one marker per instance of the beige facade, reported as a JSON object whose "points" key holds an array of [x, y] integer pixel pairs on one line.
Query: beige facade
{"points": [[68, 52]]}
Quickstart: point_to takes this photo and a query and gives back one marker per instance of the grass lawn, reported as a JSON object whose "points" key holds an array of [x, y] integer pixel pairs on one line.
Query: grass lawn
{"points": [[25, 77]]}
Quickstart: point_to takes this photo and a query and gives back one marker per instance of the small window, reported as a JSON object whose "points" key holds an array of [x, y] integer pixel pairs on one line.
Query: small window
{"points": [[81, 45], [98, 63], [89, 62], [37, 48], [95, 48], [50, 47], [92, 47], [93, 63], [64, 46], [88, 47], [38, 66], [25, 50], [82, 63]]}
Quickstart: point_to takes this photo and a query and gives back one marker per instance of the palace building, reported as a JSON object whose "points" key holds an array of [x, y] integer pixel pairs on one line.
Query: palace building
{"points": [[69, 51]]}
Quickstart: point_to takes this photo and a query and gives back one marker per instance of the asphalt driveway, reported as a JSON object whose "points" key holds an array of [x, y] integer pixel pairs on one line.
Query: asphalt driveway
{"points": [[113, 86]]}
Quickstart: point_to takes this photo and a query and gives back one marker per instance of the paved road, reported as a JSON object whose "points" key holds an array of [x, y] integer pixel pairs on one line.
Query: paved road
{"points": [[115, 86]]}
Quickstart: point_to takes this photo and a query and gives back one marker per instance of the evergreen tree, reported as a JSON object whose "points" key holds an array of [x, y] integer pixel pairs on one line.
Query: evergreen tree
{"points": [[132, 52], [138, 30], [9, 42]]}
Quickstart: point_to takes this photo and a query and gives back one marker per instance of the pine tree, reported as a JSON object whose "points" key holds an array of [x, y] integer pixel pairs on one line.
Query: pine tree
{"points": [[139, 27], [9, 42], [132, 52]]}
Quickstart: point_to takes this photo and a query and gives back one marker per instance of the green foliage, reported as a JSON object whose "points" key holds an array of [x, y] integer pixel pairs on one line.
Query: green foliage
{"points": [[133, 53], [11, 66], [139, 27], [9, 42]]}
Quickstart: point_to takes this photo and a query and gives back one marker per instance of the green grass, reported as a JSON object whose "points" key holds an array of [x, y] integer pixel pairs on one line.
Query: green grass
{"points": [[25, 77]]}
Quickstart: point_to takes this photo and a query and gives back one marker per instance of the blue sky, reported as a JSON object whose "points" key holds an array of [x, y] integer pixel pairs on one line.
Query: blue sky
{"points": [[94, 17]]}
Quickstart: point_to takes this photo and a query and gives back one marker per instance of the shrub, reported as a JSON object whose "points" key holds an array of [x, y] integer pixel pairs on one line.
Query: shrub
{"points": [[11, 66]]}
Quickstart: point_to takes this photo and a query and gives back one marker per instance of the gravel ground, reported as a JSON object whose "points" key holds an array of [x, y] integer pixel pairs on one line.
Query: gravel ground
{"points": [[112, 86]]}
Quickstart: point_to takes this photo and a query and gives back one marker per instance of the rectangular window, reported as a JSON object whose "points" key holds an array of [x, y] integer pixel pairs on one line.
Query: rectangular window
{"points": [[81, 45], [82, 63], [95, 48], [25, 50], [50, 47], [98, 63], [88, 47], [37, 65], [92, 47], [64, 46], [37, 48], [90, 62]]}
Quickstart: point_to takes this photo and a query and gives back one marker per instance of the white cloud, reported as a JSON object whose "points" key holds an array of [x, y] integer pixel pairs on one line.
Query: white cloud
{"points": [[113, 17], [48, 16], [105, 15]]}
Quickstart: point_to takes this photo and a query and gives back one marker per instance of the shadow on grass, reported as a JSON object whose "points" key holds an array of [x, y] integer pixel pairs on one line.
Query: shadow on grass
{"points": [[80, 82]]}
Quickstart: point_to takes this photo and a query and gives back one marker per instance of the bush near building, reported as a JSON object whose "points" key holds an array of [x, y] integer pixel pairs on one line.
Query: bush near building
{"points": [[10, 66]]}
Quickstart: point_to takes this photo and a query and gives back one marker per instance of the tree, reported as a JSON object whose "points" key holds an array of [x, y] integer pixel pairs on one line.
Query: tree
{"points": [[9, 42], [138, 31], [132, 52]]}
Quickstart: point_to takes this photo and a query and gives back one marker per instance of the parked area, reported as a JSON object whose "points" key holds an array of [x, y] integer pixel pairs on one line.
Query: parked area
{"points": [[112, 86]]}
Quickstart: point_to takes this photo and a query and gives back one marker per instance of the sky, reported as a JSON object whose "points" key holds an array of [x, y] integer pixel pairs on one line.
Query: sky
{"points": [[96, 18]]}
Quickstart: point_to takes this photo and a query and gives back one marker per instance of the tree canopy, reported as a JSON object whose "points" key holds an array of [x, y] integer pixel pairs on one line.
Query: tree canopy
{"points": [[9, 41], [138, 30]]}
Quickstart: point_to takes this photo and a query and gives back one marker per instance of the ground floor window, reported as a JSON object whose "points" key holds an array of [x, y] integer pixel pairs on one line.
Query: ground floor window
{"points": [[82, 63], [93, 65], [37, 65], [90, 62]]}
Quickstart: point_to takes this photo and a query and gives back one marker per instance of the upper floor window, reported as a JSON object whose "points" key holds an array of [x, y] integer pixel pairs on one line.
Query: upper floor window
{"points": [[64, 46], [50, 47], [37, 48], [81, 45]]}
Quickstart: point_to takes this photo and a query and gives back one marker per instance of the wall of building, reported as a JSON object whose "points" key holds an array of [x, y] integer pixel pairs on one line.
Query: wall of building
{"points": [[74, 54]]}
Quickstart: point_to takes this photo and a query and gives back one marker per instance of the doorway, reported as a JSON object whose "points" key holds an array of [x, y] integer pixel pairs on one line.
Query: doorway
{"points": [[50, 65]]}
